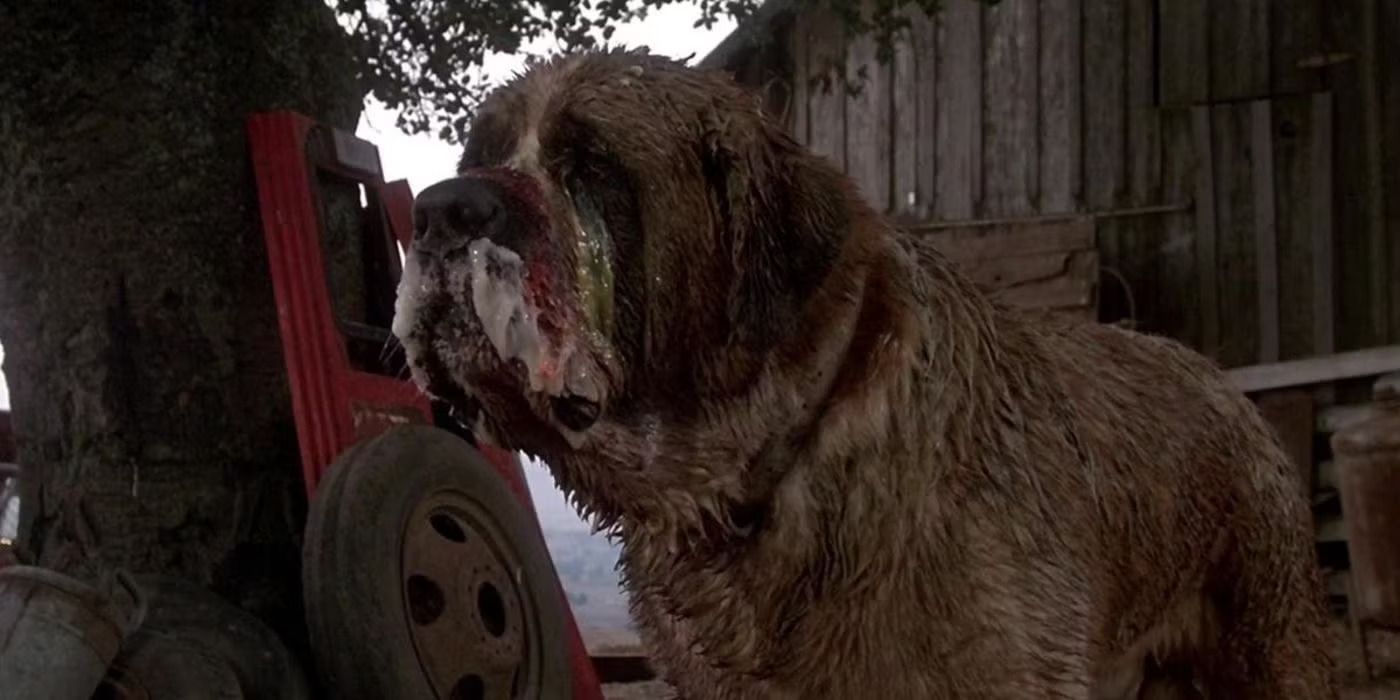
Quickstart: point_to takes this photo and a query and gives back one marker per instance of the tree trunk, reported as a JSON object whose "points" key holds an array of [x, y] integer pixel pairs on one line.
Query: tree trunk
{"points": [[136, 312]]}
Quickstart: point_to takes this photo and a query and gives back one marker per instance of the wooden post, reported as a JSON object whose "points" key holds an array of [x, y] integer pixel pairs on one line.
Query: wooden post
{"points": [[1291, 413], [1205, 231], [1323, 247], [1265, 228], [959, 45]]}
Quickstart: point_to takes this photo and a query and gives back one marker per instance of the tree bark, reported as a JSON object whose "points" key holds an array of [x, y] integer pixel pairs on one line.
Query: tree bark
{"points": [[136, 311]]}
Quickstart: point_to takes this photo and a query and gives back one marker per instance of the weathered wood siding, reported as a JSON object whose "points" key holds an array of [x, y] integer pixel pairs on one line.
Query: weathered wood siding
{"points": [[1050, 264], [1241, 158]]}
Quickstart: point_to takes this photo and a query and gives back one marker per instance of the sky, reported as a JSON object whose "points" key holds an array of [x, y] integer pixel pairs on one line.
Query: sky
{"points": [[423, 160]]}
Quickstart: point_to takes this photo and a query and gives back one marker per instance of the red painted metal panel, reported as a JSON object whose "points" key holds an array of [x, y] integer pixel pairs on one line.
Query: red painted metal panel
{"points": [[334, 404], [398, 200]]}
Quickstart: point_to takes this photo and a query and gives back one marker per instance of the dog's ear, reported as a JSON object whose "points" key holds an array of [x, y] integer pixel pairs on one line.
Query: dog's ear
{"points": [[784, 216]]}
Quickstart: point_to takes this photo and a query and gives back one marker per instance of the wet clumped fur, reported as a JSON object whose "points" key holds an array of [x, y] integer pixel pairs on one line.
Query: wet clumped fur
{"points": [[838, 469]]}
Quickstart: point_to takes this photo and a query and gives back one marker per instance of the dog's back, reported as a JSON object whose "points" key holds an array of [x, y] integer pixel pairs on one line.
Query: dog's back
{"points": [[1029, 507], [1125, 505]]}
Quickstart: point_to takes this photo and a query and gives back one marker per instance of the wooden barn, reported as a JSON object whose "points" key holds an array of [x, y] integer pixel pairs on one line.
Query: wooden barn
{"points": [[1225, 172]]}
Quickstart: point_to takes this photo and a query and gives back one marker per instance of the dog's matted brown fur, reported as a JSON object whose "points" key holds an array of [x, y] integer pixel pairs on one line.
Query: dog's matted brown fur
{"points": [[837, 469]]}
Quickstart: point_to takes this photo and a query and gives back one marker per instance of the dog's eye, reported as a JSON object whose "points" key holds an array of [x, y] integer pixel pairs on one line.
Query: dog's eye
{"points": [[595, 259], [590, 216], [564, 171]]}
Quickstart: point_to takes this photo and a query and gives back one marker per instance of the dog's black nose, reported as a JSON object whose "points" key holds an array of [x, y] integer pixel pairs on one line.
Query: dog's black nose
{"points": [[452, 213]]}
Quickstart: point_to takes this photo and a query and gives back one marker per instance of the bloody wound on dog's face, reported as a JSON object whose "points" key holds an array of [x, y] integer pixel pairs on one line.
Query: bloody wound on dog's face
{"points": [[586, 170]]}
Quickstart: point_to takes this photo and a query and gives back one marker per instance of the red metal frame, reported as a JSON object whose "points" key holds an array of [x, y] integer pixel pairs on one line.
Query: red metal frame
{"points": [[334, 404]]}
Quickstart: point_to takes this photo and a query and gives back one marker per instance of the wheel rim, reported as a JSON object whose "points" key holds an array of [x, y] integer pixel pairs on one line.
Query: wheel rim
{"points": [[473, 627]]}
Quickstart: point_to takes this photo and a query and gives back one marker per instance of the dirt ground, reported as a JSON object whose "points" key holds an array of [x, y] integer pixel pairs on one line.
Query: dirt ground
{"points": [[1384, 648]]}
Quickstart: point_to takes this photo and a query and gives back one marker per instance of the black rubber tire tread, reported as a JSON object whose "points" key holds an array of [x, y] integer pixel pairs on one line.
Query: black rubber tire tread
{"points": [[320, 520], [202, 621], [156, 666], [352, 560]]}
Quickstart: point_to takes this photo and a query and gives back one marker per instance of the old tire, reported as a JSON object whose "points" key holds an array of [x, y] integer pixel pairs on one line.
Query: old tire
{"points": [[195, 645], [157, 666], [425, 577], [201, 619]]}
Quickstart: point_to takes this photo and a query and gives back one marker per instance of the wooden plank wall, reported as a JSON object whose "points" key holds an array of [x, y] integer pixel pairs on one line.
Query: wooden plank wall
{"points": [[958, 116], [1351, 27], [1042, 265], [962, 122], [1264, 134], [1388, 26], [1264, 177], [986, 114], [1242, 50], [993, 101]]}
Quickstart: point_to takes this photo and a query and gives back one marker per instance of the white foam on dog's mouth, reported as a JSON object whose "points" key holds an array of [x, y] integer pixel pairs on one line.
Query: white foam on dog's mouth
{"points": [[407, 300], [498, 297]]}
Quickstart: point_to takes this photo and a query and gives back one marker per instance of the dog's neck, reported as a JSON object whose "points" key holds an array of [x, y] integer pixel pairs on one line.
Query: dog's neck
{"points": [[709, 479], [697, 527], [692, 550]]}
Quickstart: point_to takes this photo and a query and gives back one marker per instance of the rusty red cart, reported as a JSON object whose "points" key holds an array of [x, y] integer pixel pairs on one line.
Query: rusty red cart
{"points": [[425, 571]]}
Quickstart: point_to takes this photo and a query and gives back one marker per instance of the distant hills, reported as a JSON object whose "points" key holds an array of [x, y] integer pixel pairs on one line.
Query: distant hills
{"points": [[587, 563]]}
